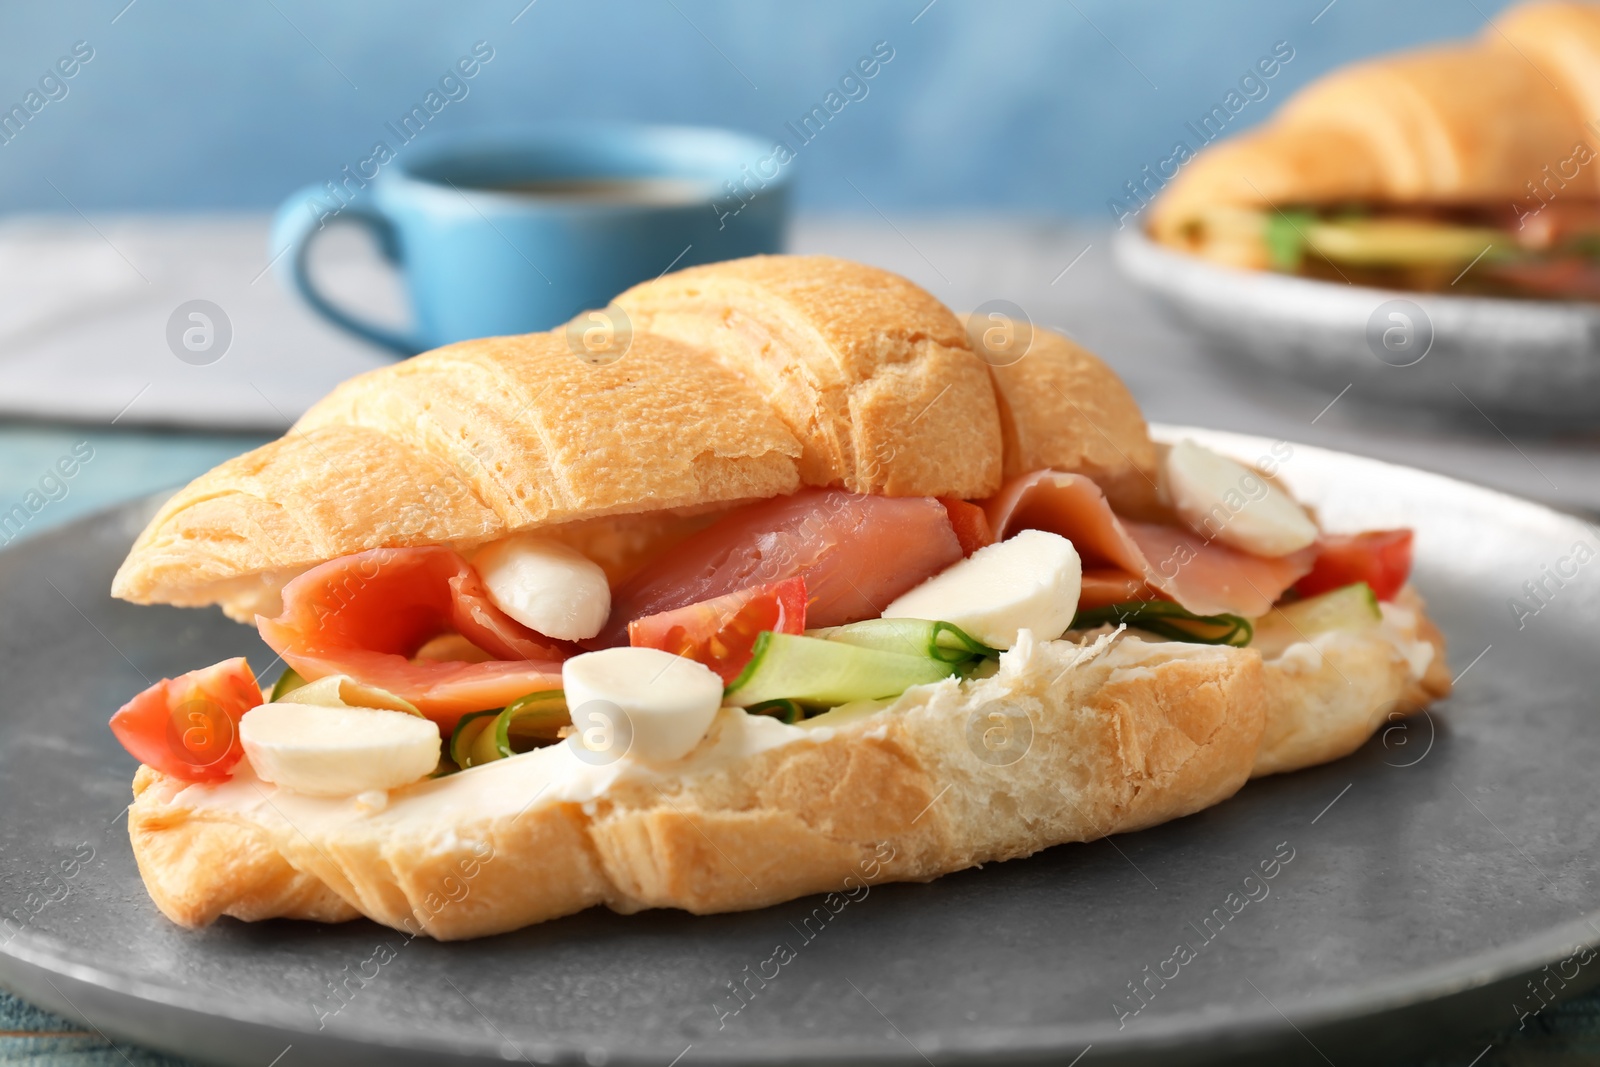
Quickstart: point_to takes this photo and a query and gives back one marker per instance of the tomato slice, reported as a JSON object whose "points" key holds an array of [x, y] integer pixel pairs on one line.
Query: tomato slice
{"points": [[970, 524], [188, 726], [1381, 558], [721, 632]]}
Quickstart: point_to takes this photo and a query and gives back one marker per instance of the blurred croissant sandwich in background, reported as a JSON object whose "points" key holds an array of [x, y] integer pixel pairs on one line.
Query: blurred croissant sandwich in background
{"points": [[1407, 170], [707, 620]]}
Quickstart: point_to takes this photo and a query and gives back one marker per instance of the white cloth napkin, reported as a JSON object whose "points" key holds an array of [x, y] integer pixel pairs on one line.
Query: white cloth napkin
{"points": [[85, 311]]}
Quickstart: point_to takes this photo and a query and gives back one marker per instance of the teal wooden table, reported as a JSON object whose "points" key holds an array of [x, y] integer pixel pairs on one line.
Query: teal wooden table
{"points": [[108, 465]]}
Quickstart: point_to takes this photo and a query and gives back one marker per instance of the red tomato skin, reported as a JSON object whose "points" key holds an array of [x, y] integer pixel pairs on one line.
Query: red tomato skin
{"points": [[731, 622], [1381, 558], [188, 726], [791, 593], [970, 523]]}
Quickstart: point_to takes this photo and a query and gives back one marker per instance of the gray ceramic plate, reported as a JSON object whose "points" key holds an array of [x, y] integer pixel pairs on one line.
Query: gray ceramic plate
{"points": [[1431, 873], [1539, 360]]}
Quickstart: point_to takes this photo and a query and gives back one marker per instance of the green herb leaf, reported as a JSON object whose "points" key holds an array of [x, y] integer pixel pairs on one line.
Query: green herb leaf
{"points": [[1286, 239], [1169, 620]]}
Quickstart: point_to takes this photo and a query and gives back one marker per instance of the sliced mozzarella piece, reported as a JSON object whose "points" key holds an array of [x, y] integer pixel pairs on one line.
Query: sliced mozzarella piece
{"points": [[1225, 501], [1027, 582], [545, 585], [338, 752], [666, 702]]}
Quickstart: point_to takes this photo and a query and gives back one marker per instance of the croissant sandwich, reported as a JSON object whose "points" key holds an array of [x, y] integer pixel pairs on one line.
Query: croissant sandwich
{"points": [[707, 615], [1463, 168]]}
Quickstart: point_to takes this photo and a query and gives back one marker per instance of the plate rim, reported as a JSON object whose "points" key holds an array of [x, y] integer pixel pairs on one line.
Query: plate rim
{"points": [[1136, 253]]}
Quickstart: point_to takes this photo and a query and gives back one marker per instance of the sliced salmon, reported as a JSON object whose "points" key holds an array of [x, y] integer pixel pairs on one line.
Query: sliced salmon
{"points": [[1206, 577], [367, 615], [856, 553]]}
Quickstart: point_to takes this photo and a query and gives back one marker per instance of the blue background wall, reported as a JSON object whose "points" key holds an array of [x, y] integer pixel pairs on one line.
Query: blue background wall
{"points": [[1026, 105]]}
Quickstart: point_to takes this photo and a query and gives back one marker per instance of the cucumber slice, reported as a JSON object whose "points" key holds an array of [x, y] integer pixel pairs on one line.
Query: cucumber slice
{"points": [[845, 714], [530, 722], [818, 673], [482, 749], [1169, 620], [1286, 240], [287, 683], [1385, 242], [527, 722], [464, 743], [1352, 607], [909, 637], [783, 710]]}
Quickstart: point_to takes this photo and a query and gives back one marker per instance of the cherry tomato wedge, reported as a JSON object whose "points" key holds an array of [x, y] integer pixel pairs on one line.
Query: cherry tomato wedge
{"points": [[721, 632], [970, 524], [1381, 558], [188, 726]]}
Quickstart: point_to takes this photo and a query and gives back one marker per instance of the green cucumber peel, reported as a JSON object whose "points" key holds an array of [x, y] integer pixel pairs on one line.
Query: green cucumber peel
{"points": [[485, 736], [537, 717], [815, 672], [287, 683], [1172, 621], [783, 710], [1345, 608], [466, 734], [1349, 608], [911, 637]]}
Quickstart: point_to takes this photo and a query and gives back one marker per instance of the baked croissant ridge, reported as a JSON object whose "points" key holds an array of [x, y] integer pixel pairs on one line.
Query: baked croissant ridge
{"points": [[1406, 170], [795, 584]]}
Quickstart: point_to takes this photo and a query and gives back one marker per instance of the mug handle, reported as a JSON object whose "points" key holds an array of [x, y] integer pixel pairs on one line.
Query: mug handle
{"points": [[295, 228]]}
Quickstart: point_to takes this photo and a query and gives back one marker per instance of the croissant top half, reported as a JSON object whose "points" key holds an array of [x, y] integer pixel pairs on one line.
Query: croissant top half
{"points": [[1460, 124], [740, 380]]}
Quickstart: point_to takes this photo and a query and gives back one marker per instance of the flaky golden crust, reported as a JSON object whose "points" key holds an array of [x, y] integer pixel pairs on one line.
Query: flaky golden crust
{"points": [[1062, 408], [1094, 741], [182, 854], [872, 374], [302, 499], [1262, 169], [1322, 705], [479, 439], [1446, 125], [1561, 38], [1436, 682], [1460, 124], [1116, 737], [462, 445]]}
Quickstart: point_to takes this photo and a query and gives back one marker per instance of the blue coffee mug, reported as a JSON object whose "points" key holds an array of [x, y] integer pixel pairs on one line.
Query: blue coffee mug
{"points": [[515, 231]]}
